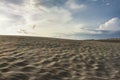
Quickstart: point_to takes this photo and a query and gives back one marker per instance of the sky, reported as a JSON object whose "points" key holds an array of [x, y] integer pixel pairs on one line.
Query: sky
{"points": [[70, 19]]}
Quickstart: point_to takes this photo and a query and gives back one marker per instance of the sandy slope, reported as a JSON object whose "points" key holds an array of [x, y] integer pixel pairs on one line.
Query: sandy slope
{"points": [[27, 58]]}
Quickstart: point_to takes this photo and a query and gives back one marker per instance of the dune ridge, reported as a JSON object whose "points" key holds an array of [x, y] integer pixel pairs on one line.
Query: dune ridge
{"points": [[34, 58]]}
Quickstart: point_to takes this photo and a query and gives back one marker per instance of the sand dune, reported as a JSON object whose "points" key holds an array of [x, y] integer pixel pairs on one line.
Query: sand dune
{"points": [[32, 58]]}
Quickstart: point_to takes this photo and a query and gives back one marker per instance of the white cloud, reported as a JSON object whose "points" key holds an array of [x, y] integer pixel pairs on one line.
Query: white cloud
{"points": [[49, 22], [74, 6], [111, 25]]}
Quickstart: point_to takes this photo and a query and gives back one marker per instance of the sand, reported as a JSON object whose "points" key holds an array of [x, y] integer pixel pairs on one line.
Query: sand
{"points": [[32, 58]]}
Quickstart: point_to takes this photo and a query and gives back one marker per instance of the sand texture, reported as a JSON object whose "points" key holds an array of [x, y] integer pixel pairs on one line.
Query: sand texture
{"points": [[32, 58]]}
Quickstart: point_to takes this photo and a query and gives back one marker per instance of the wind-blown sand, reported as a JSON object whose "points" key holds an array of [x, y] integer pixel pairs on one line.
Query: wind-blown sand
{"points": [[32, 58]]}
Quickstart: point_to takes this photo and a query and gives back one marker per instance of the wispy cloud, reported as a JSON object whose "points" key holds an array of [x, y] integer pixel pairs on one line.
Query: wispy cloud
{"points": [[53, 20], [72, 4], [109, 29], [49, 21], [94, 0]]}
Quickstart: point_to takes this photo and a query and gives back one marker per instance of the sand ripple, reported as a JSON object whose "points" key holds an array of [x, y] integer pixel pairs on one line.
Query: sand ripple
{"points": [[27, 58]]}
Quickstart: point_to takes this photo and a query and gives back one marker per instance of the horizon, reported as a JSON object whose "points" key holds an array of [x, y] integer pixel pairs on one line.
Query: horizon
{"points": [[66, 19]]}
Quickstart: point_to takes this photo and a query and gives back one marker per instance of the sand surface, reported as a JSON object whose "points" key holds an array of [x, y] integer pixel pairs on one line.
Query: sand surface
{"points": [[31, 58]]}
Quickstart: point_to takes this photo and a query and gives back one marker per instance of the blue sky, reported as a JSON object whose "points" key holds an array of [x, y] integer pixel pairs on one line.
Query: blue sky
{"points": [[72, 19]]}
